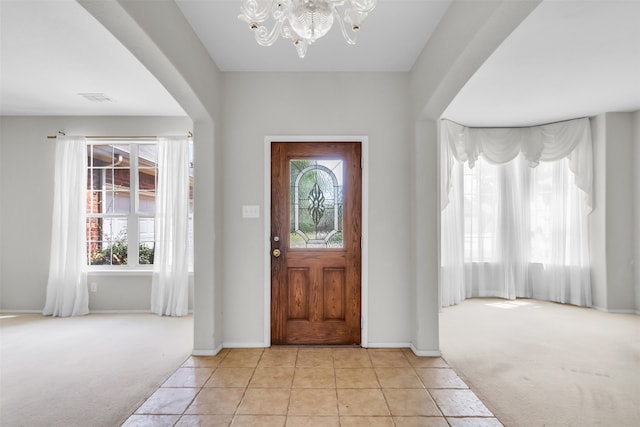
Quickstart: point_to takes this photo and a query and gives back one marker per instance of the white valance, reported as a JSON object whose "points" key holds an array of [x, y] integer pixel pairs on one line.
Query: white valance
{"points": [[548, 142]]}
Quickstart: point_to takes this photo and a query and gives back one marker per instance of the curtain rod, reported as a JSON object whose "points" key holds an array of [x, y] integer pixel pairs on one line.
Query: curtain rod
{"points": [[116, 137], [513, 127]]}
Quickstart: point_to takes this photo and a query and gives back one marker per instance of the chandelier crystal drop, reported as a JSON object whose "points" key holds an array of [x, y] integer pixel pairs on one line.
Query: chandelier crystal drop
{"points": [[304, 21]]}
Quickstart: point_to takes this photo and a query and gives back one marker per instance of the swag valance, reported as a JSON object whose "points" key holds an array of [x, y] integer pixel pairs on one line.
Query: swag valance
{"points": [[571, 139]]}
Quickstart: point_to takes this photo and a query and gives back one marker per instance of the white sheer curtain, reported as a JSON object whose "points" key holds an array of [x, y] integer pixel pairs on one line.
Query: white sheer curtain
{"points": [[570, 139], [67, 293], [453, 290], [560, 271], [170, 283], [512, 226]]}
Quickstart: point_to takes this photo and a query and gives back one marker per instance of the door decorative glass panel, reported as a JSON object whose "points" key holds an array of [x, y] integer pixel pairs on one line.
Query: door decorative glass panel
{"points": [[316, 203]]}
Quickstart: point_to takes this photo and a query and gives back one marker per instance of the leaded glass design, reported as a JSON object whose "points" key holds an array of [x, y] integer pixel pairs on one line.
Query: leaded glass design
{"points": [[316, 203]]}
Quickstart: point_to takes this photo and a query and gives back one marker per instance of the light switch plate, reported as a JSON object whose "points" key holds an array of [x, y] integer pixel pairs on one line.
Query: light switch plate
{"points": [[250, 211]]}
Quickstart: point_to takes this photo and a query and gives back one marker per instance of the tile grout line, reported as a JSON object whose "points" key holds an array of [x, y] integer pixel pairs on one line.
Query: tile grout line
{"points": [[195, 395], [384, 396], [246, 388], [200, 388], [429, 392], [295, 363], [335, 383]]}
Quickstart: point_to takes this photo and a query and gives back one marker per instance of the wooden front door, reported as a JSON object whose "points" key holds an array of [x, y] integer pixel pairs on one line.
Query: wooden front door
{"points": [[316, 205]]}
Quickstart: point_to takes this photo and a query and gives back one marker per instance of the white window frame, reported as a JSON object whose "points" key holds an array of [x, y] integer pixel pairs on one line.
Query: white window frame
{"points": [[134, 214]]}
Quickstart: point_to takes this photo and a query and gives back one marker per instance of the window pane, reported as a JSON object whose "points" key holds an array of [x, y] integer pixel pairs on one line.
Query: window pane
{"points": [[147, 155], [107, 240], [108, 178], [544, 179], [94, 202], [316, 203], [146, 240], [147, 192], [147, 177], [116, 202], [480, 201]]}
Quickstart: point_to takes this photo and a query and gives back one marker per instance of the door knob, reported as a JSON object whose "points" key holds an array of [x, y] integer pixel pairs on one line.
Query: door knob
{"points": [[276, 253]]}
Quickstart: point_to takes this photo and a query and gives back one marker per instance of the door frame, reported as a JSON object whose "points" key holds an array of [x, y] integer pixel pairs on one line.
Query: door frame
{"points": [[364, 286]]}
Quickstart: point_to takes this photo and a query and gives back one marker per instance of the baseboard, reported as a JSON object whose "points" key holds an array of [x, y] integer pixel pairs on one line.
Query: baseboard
{"points": [[13, 311], [244, 345], [616, 311], [426, 353], [423, 353], [39, 311], [388, 345], [138, 311], [120, 312], [206, 352]]}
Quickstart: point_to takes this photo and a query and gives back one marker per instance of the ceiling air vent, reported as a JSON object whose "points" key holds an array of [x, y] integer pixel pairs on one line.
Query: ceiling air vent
{"points": [[95, 97]]}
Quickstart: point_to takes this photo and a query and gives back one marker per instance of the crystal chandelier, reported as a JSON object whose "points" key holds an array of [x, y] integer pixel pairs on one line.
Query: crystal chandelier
{"points": [[304, 21]]}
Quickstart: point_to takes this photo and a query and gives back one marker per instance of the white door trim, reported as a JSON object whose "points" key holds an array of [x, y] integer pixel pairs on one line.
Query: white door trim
{"points": [[364, 140]]}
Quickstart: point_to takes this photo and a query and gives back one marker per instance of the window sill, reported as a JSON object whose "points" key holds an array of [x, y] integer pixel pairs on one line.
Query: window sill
{"points": [[120, 272], [123, 272]]}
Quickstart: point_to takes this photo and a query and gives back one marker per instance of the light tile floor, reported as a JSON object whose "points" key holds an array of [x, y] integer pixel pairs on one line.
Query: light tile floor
{"points": [[314, 386]]}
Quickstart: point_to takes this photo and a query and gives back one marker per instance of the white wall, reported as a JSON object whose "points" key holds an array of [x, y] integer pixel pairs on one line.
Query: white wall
{"points": [[612, 223], [619, 187], [468, 33], [26, 182], [636, 212], [597, 218], [229, 259], [160, 37], [425, 220], [313, 104]]}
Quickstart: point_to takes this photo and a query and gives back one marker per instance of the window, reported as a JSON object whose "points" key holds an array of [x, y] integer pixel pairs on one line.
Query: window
{"points": [[316, 203], [501, 199], [480, 202], [542, 196], [516, 224], [121, 194]]}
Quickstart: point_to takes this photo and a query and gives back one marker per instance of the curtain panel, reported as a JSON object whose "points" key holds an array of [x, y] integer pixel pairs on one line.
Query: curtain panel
{"points": [[67, 293], [494, 194], [571, 139], [170, 281]]}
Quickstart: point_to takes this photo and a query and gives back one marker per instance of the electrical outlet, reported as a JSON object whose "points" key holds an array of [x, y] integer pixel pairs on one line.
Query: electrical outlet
{"points": [[94, 287]]}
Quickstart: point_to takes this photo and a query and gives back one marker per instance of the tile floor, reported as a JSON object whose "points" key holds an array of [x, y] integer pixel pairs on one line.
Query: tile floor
{"points": [[312, 386]]}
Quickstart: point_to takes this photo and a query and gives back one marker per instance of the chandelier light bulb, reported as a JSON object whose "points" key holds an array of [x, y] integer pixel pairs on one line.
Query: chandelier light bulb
{"points": [[304, 21]]}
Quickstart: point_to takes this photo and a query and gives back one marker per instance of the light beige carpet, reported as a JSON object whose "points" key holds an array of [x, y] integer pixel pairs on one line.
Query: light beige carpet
{"points": [[540, 364], [92, 370]]}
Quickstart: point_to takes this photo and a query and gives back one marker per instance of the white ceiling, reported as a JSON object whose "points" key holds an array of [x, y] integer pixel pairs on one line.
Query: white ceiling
{"points": [[391, 38], [50, 51], [568, 59]]}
